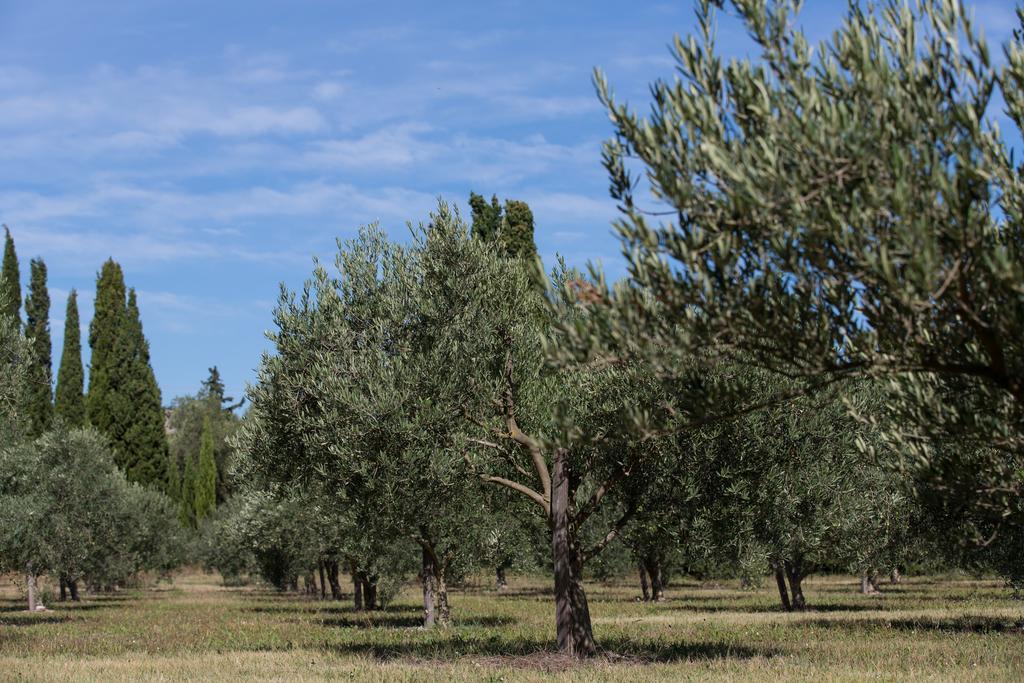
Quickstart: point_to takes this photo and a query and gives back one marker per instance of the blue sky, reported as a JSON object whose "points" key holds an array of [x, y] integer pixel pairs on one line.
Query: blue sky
{"points": [[213, 148]]}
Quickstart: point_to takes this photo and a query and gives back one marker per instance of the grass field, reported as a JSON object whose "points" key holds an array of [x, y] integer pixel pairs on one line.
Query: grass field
{"points": [[925, 628]]}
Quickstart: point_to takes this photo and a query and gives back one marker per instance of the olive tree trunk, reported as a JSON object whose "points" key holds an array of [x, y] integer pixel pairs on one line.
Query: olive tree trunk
{"points": [[357, 588], [30, 582], [780, 581], [644, 590], [575, 634], [444, 610], [795, 573], [332, 579], [427, 574]]}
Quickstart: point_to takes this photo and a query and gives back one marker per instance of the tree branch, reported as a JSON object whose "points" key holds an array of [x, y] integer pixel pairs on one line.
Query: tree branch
{"points": [[516, 486], [591, 505], [520, 437], [611, 535]]}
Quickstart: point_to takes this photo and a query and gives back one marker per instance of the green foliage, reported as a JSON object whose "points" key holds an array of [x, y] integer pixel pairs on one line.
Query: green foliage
{"points": [[105, 330], [206, 476], [124, 400], [15, 361], [486, 217], [69, 510], [511, 229], [37, 330], [841, 212], [364, 398], [10, 282], [186, 422], [70, 400]]}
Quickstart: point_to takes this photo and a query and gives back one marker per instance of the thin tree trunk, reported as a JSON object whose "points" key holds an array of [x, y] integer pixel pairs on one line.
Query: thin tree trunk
{"points": [[572, 614], [427, 574], [644, 591], [780, 581], [73, 585], [30, 581], [332, 579], [63, 588], [370, 592], [794, 570], [357, 588], [657, 585], [323, 580]]}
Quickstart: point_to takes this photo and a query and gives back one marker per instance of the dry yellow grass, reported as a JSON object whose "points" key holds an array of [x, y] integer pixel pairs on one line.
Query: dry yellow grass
{"points": [[923, 629]]}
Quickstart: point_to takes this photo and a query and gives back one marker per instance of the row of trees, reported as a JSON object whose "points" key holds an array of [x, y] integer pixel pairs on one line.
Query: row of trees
{"points": [[814, 362], [84, 477]]}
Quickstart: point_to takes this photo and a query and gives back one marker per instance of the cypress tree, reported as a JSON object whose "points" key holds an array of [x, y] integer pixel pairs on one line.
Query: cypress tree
{"points": [[517, 230], [187, 495], [70, 402], [40, 385], [145, 438], [205, 491], [511, 227], [486, 217], [124, 399], [104, 331], [10, 282]]}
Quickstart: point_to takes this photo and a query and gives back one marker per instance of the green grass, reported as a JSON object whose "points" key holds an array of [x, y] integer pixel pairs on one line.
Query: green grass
{"points": [[925, 628]]}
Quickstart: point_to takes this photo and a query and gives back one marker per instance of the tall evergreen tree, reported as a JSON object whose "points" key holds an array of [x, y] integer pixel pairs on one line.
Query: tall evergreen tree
{"points": [[206, 480], [517, 230], [511, 227], [10, 281], [486, 217], [70, 401], [145, 440], [104, 331], [124, 399], [40, 385]]}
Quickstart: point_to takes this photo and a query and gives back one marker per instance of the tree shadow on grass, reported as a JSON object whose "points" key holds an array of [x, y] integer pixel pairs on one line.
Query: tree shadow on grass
{"points": [[27, 619], [61, 606], [965, 624], [384, 620], [317, 608], [534, 653], [767, 609]]}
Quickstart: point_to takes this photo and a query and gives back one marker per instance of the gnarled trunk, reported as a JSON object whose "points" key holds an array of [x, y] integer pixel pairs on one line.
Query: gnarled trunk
{"points": [[780, 581], [644, 591], [657, 578], [572, 613], [63, 588], [73, 585], [894, 576], [427, 575], [369, 591], [794, 570], [323, 580], [500, 580], [332, 578], [444, 610]]}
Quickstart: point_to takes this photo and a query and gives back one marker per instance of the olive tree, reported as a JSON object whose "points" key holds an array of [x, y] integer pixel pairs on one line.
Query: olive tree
{"points": [[851, 209], [67, 509], [364, 377]]}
